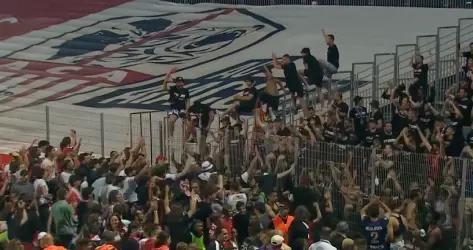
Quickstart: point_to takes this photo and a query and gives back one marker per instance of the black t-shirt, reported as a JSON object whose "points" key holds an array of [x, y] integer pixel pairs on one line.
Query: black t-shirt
{"points": [[455, 146], [421, 73], [370, 137], [387, 138], [298, 232], [252, 91], [305, 196], [359, 115], [342, 107], [376, 116], [178, 97], [291, 75], [333, 56], [178, 226], [399, 121], [464, 105], [329, 133], [241, 223], [469, 139], [314, 71]]}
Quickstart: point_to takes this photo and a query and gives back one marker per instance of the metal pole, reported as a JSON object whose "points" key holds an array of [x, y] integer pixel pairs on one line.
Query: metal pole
{"points": [[437, 68], [462, 202], [150, 138], [352, 82], [141, 125], [457, 55], [102, 135], [161, 144], [48, 131], [131, 130]]}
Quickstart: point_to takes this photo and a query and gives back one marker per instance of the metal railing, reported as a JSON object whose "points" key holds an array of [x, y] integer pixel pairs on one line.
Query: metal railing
{"points": [[100, 132], [386, 3]]}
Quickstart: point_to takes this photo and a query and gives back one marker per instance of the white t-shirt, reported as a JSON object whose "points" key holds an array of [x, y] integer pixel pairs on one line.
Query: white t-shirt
{"points": [[65, 177], [128, 190], [322, 245], [233, 199], [40, 188]]}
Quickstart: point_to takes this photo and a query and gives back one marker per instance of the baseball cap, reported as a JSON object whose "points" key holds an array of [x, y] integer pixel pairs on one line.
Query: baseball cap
{"points": [[277, 240], [179, 80]]}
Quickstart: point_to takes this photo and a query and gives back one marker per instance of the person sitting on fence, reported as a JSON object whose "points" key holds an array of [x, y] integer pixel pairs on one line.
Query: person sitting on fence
{"points": [[179, 99], [244, 103], [293, 79], [314, 74], [270, 94], [201, 116]]}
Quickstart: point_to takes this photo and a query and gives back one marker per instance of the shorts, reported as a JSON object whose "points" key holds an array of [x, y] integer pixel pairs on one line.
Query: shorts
{"points": [[270, 100], [296, 90], [177, 113], [313, 79]]}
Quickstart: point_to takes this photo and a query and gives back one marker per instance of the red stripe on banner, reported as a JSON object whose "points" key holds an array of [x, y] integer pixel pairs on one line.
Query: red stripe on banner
{"points": [[63, 73], [160, 34], [22, 16]]}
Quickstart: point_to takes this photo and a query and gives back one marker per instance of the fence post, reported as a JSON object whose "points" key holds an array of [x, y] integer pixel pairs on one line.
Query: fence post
{"points": [[296, 174], [457, 55], [352, 87], [151, 153], [48, 131], [102, 135], [374, 86], [131, 129], [437, 69], [461, 207], [161, 143]]}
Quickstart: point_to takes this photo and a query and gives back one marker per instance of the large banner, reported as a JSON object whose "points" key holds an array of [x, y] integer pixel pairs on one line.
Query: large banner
{"points": [[114, 53]]}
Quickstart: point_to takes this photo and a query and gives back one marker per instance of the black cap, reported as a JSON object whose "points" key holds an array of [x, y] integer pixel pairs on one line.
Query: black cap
{"points": [[305, 50], [179, 79]]}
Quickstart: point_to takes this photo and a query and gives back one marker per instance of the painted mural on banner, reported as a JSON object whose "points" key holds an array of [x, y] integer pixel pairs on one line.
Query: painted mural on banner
{"points": [[117, 54]]}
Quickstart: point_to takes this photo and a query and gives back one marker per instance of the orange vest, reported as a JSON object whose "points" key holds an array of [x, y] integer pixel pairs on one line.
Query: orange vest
{"points": [[106, 247], [279, 224]]}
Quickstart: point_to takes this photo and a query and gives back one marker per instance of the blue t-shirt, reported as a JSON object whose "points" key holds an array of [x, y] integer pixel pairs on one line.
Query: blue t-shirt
{"points": [[376, 233]]}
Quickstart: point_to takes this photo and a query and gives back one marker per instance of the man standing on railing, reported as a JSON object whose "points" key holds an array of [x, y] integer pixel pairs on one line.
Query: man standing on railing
{"points": [[293, 79], [178, 97], [314, 73], [333, 56]]}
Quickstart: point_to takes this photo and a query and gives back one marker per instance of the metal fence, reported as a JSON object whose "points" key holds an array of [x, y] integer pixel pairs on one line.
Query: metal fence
{"points": [[386, 3], [100, 132]]}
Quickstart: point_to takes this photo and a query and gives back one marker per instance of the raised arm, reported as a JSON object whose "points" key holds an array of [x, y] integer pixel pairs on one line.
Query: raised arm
{"points": [[424, 140], [287, 172], [167, 78], [326, 37]]}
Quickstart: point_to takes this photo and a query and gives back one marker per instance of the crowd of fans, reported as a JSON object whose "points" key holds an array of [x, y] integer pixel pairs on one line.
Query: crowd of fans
{"points": [[63, 198]]}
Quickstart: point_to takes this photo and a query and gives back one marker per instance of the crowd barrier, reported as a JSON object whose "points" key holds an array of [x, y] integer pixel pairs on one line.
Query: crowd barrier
{"points": [[386, 3], [100, 132]]}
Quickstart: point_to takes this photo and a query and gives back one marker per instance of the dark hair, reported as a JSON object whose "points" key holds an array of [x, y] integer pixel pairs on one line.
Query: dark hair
{"points": [[112, 196], [162, 238], [239, 205], [48, 150], [61, 194], [73, 179], [287, 55], [86, 192], [66, 141], [373, 211], [301, 213], [43, 143], [331, 36]]}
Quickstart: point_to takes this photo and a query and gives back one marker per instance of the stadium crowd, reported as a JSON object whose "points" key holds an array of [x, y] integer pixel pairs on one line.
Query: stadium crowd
{"points": [[63, 198]]}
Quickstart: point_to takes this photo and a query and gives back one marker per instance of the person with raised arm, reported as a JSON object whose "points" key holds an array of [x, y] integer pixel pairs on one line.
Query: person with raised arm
{"points": [[179, 98], [333, 56], [375, 227]]}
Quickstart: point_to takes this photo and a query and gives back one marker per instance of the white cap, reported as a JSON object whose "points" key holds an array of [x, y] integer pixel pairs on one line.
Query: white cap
{"points": [[41, 235], [277, 240]]}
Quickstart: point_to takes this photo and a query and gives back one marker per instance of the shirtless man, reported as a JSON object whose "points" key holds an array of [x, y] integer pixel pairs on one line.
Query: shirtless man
{"points": [[270, 95]]}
